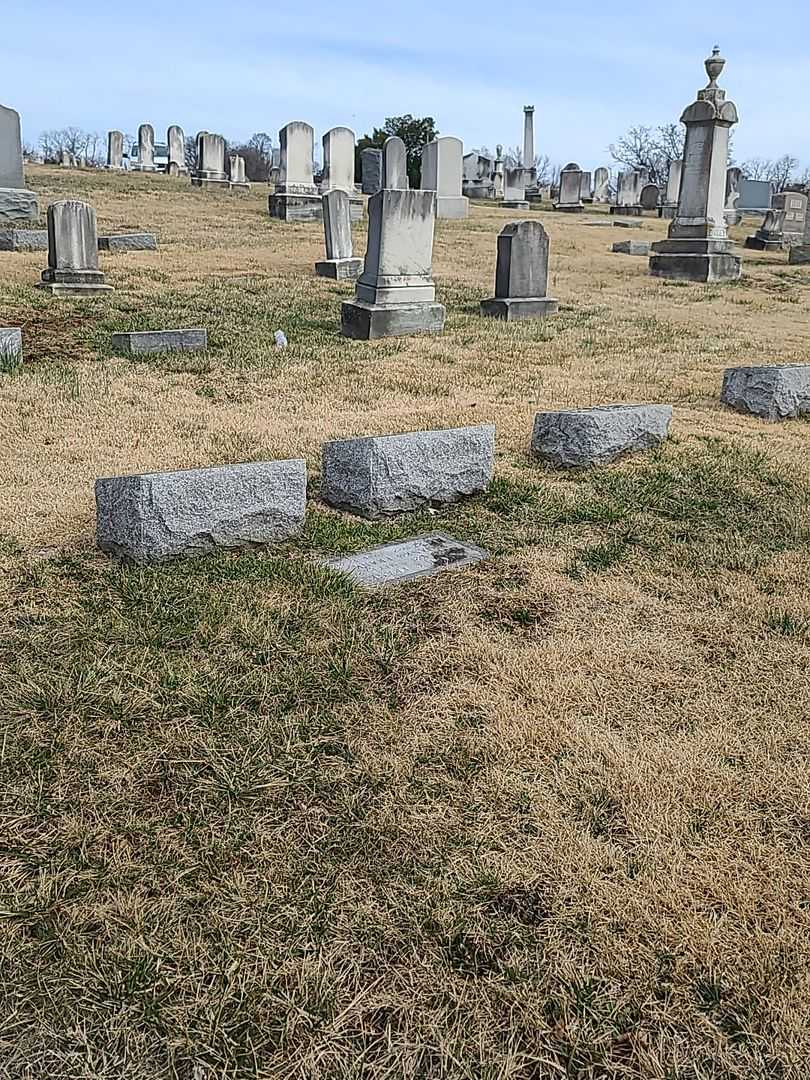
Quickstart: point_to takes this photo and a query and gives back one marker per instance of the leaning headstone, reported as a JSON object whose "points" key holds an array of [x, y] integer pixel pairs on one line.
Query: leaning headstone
{"points": [[23, 239], [128, 242], [631, 247], [770, 236], [395, 164], [210, 172], [146, 148], [340, 262], [794, 224], [776, 392], [514, 188], [10, 348], [697, 247], [733, 178], [115, 150], [601, 185], [442, 173], [296, 197], [649, 197], [570, 200], [176, 142], [138, 342], [338, 167], [237, 173], [521, 275], [403, 560], [380, 476], [16, 202], [371, 170], [155, 516], [577, 438], [73, 252]]}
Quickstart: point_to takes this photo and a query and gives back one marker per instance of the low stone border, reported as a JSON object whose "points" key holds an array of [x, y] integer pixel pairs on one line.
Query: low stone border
{"points": [[773, 392], [136, 342], [575, 438], [128, 242]]}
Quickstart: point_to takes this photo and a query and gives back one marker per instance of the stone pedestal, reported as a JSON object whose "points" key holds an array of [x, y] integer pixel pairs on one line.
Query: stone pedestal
{"points": [[73, 252], [521, 275], [395, 294], [340, 269], [296, 205], [627, 211], [697, 247]]}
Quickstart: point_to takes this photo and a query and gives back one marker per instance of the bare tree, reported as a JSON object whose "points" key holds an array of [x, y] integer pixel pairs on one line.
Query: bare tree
{"points": [[780, 172], [653, 149]]}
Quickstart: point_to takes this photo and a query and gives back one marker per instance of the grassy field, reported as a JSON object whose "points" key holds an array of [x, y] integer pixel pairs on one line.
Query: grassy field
{"points": [[547, 817]]}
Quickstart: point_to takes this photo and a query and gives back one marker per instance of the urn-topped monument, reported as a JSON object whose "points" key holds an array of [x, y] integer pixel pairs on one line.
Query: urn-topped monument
{"points": [[698, 247]]}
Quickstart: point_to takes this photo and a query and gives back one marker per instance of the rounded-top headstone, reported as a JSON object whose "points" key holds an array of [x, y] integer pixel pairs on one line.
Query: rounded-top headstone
{"points": [[395, 164], [572, 166], [650, 196]]}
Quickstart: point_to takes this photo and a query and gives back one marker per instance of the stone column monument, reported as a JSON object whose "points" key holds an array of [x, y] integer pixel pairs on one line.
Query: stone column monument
{"points": [[16, 203], [528, 147], [442, 169], [698, 247], [296, 197]]}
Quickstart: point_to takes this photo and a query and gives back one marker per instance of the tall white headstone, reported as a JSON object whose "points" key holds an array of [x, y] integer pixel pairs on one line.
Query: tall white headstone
{"points": [[395, 164], [442, 172], [340, 262], [146, 148], [338, 160], [176, 142], [296, 197], [16, 202]]}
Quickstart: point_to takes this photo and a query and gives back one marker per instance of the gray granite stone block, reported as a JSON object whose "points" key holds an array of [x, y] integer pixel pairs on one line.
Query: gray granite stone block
{"points": [[366, 322], [631, 247], [23, 239], [128, 242], [339, 269], [404, 560], [10, 347], [627, 223], [156, 516], [152, 341], [576, 438], [17, 204], [799, 254], [514, 308], [774, 392], [394, 474]]}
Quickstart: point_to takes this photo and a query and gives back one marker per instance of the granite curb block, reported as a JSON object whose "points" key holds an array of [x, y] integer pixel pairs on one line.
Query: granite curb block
{"points": [[577, 438], [773, 392], [155, 516], [137, 342]]}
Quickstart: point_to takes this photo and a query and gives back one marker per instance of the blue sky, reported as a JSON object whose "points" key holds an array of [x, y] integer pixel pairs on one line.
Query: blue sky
{"points": [[239, 66]]}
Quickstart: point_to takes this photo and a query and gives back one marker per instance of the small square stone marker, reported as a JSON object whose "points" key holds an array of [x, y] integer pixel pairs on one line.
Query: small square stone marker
{"points": [[631, 247], [774, 392], [403, 560], [128, 242], [152, 341]]}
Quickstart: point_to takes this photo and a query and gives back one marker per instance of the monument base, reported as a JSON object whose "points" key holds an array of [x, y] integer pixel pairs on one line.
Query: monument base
{"points": [[18, 204], [627, 211], [515, 204], [695, 260], [452, 208], [286, 207], [239, 185], [365, 322], [62, 288], [339, 269], [569, 208], [667, 212], [799, 255], [760, 243], [211, 183], [513, 308]]}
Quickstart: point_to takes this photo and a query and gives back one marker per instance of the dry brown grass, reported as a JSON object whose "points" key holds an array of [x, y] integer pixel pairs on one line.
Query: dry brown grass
{"points": [[546, 818]]}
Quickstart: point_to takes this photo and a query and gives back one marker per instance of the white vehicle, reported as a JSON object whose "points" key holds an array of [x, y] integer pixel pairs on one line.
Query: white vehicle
{"points": [[161, 157]]}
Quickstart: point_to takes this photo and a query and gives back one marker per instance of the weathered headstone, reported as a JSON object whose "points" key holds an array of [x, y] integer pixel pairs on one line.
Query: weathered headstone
{"points": [[521, 274], [146, 149], [380, 476], [731, 213], [697, 247], [670, 205], [23, 239], [403, 560], [155, 516], [570, 200], [176, 142], [138, 342], [601, 185], [296, 197], [128, 242], [210, 172], [73, 252], [498, 179], [395, 164], [794, 206], [577, 438], [586, 188], [514, 188], [442, 173], [631, 247], [237, 174], [775, 392], [371, 170], [628, 192], [770, 236], [338, 167], [11, 350], [16, 202], [340, 262], [115, 150], [395, 294], [650, 197]]}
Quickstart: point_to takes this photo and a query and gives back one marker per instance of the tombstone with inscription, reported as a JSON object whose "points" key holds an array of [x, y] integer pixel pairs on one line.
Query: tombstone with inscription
{"points": [[338, 167], [16, 202], [296, 197], [697, 247], [146, 149], [73, 268], [794, 205], [521, 274], [733, 178], [340, 263], [210, 172], [601, 185], [570, 200], [176, 157], [395, 294], [371, 170], [514, 188], [442, 173], [628, 192], [115, 150]]}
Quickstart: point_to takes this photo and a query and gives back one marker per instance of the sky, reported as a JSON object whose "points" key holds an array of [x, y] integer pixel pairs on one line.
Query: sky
{"points": [[591, 69]]}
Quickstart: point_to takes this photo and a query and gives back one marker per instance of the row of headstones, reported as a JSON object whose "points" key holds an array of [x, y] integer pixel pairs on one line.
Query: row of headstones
{"points": [[210, 168]]}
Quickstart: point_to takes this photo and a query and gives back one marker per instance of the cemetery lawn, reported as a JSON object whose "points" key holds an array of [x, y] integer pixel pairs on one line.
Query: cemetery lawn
{"points": [[546, 817]]}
